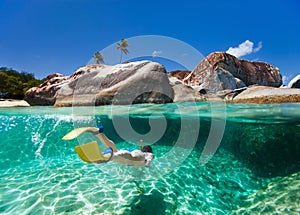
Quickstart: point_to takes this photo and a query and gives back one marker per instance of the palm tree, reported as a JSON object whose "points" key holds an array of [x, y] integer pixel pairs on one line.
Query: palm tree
{"points": [[98, 57], [122, 45]]}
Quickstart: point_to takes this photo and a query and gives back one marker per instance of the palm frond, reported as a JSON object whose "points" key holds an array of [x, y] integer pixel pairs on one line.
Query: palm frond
{"points": [[123, 44]]}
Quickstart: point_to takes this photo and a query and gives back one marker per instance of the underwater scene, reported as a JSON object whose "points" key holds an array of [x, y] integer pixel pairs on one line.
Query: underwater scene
{"points": [[210, 158]]}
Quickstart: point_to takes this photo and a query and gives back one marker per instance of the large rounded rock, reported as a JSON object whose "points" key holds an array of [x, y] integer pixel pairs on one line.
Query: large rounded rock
{"points": [[45, 94], [184, 93], [137, 82], [250, 73], [209, 79], [130, 83], [218, 80]]}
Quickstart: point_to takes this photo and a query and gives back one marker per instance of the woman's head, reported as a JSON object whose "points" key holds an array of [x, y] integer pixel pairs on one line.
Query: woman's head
{"points": [[147, 148]]}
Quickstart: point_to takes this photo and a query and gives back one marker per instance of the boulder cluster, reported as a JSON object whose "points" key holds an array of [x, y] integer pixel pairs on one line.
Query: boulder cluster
{"points": [[218, 77]]}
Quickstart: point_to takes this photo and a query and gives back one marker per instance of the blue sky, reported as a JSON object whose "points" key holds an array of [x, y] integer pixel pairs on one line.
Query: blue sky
{"points": [[52, 36]]}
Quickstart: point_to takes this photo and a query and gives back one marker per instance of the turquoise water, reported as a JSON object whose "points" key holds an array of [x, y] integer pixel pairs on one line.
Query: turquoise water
{"points": [[209, 159]]}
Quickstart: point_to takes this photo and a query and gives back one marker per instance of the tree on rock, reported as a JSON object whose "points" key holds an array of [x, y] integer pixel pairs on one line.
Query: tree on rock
{"points": [[122, 45], [98, 57]]}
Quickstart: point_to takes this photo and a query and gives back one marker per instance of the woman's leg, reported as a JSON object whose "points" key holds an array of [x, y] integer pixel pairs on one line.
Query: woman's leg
{"points": [[107, 142]]}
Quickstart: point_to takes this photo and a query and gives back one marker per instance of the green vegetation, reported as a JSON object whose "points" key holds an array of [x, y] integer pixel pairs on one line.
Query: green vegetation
{"points": [[122, 45], [98, 58], [14, 84]]}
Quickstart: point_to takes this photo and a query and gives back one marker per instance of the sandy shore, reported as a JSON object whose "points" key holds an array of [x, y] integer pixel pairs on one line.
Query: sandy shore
{"points": [[13, 103]]}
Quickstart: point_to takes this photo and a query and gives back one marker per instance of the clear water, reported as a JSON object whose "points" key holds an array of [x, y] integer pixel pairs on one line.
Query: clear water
{"points": [[41, 174]]}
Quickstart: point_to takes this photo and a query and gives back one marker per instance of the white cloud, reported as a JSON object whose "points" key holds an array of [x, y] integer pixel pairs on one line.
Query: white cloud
{"points": [[259, 46], [156, 53], [244, 48]]}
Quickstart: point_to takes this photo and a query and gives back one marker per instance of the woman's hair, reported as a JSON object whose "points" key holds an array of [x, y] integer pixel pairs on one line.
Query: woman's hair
{"points": [[147, 148]]}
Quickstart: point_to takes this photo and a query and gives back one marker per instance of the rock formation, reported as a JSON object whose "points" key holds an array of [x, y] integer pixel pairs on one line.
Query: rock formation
{"points": [[182, 92], [280, 196], [180, 74], [45, 94], [295, 82], [218, 76], [264, 95], [137, 82], [221, 71], [268, 149]]}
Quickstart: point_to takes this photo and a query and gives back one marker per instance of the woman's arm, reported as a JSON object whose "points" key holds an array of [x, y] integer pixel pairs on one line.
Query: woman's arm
{"points": [[141, 145], [107, 142]]}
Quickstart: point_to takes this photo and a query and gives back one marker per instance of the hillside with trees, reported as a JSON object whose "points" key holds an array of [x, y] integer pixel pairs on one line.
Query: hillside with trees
{"points": [[14, 84]]}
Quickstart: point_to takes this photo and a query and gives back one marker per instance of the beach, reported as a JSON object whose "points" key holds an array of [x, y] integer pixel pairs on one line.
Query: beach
{"points": [[13, 103]]}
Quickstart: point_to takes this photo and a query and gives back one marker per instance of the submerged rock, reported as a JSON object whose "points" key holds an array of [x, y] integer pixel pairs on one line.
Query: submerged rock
{"points": [[279, 197], [270, 150]]}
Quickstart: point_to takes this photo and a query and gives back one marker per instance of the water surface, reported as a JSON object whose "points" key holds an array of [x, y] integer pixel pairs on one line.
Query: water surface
{"points": [[41, 174]]}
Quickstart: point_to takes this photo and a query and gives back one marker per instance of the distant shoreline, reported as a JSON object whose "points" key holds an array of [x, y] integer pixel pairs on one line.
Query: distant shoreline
{"points": [[13, 103]]}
